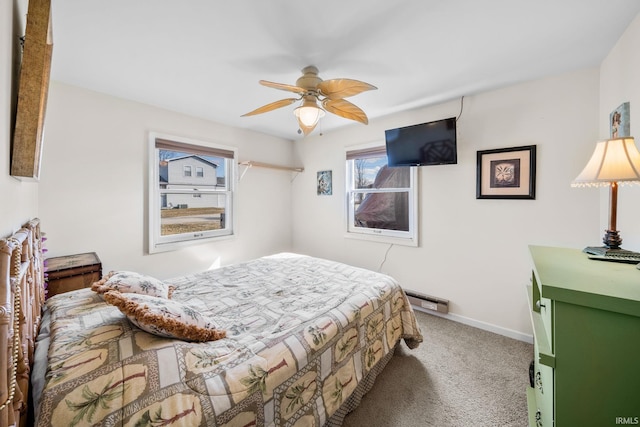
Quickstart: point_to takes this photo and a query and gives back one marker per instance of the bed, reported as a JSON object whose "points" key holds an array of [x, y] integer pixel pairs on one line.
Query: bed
{"points": [[290, 340]]}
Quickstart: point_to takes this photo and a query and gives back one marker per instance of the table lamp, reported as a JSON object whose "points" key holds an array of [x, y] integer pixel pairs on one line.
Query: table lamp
{"points": [[614, 161]]}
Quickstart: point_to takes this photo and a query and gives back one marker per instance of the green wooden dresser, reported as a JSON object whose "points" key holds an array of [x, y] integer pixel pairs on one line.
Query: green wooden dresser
{"points": [[586, 324]]}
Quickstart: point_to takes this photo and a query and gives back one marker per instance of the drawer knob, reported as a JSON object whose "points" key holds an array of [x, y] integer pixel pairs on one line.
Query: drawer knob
{"points": [[539, 304]]}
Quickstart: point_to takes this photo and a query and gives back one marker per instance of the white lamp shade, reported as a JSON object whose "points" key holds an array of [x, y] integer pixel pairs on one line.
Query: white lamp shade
{"points": [[614, 160], [309, 113]]}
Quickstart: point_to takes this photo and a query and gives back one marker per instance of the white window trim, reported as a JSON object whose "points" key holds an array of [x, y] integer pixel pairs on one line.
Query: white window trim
{"points": [[156, 244], [375, 235]]}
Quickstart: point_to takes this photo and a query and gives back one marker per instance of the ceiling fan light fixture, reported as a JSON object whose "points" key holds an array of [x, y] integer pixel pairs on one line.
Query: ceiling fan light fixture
{"points": [[309, 113]]}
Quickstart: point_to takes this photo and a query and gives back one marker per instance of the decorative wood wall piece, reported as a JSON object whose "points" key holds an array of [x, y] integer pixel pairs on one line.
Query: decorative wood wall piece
{"points": [[32, 91]]}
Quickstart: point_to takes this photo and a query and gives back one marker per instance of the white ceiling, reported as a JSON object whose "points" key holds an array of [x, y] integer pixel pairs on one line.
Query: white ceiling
{"points": [[204, 57]]}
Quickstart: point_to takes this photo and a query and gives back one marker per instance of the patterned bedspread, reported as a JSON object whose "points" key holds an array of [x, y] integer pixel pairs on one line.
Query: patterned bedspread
{"points": [[302, 333]]}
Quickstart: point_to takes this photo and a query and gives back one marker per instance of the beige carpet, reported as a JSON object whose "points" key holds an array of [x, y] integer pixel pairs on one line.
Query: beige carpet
{"points": [[459, 376]]}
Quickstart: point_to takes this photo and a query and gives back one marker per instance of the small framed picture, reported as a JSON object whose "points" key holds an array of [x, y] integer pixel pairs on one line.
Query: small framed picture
{"points": [[324, 183], [619, 124], [506, 173]]}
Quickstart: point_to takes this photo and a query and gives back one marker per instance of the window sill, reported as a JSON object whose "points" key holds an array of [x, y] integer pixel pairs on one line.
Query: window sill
{"points": [[174, 246], [383, 239]]}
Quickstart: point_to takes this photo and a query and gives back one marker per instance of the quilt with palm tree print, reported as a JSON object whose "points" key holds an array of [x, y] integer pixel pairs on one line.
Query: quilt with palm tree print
{"points": [[302, 333]]}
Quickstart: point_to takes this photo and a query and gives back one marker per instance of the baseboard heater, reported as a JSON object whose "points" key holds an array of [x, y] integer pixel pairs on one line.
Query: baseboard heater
{"points": [[428, 302]]}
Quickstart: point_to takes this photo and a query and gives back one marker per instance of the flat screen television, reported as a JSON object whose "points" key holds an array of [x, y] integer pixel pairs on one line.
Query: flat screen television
{"points": [[424, 144]]}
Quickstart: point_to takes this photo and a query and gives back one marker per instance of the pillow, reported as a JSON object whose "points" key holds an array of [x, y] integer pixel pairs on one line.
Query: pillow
{"points": [[164, 317], [131, 282]]}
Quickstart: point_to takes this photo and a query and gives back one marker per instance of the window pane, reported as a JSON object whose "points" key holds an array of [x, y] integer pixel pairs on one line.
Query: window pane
{"points": [[388, 211], [192, 213], [374, 173], [176, 171]]}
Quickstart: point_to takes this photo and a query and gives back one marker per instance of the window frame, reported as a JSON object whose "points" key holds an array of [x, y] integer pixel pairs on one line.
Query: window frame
{"points": [[405, 238], [158, 243]]}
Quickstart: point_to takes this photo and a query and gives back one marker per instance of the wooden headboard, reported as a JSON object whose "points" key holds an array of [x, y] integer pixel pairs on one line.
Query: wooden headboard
{"points": [[21, 300]]}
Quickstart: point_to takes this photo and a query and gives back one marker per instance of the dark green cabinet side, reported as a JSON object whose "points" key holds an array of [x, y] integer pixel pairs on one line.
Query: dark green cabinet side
{"points": [[596, 337], [597, 366]]}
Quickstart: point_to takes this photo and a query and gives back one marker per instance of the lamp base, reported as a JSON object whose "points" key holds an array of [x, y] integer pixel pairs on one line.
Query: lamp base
{"points": [[612, 239]]}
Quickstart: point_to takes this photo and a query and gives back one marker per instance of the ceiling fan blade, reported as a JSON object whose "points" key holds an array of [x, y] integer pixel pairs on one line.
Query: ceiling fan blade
{"points": [[306, 129], [271, 106], [345, 109], [282, 86], [342, 88]]}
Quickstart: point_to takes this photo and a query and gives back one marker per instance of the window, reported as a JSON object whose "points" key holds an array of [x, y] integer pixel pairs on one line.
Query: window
{"points": [[381, 200], [184, 209]]}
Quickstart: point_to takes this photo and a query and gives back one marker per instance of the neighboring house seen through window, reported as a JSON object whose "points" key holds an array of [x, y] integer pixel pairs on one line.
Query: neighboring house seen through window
{"points": [[184, 208], [381, 200]]}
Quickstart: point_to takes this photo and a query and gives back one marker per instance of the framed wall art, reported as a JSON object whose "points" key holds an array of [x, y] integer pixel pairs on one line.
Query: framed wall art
{"points": [[619, 123], [506, 173], [324, 183]]}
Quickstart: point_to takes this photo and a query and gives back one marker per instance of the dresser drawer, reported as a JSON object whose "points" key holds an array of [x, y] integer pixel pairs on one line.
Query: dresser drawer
{"points": [[541, 320], [540, 398], [544, 308], [544, 390]]}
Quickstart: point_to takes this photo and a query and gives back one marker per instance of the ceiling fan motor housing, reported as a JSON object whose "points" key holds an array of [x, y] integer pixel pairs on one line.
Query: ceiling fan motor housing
{"points": [[309, 79]]}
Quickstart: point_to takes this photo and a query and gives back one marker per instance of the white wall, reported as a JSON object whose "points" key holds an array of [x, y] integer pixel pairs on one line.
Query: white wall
{"points": [[620, 82], [472, 252], [94, 182], [19, 198]]}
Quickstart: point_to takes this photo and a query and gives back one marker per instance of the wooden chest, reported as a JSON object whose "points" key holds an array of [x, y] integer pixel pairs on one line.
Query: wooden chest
{"points": [[71, 272]]}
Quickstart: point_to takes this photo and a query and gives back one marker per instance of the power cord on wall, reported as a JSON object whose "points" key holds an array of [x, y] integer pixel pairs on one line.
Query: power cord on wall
{"points": [[385, 258], [461, 106]]}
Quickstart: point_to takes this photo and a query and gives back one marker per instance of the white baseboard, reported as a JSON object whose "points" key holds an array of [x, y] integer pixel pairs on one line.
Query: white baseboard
{"points": [[480, 325]]}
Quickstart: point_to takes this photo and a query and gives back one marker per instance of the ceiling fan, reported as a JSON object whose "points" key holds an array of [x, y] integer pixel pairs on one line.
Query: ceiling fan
{"points": [[318, 96]]}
